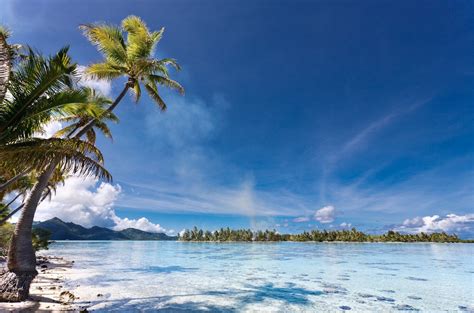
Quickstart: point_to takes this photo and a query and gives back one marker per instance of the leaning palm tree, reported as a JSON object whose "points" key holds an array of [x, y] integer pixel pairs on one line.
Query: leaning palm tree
{"points": [[34, 98], [40, 90]]}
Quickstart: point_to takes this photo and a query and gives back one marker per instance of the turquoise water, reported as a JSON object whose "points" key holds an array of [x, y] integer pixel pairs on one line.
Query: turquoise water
{"points": [[270, 277]]}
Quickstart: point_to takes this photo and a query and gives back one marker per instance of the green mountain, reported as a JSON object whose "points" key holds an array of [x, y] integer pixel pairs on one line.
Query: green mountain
{"points": [[61, 230]]}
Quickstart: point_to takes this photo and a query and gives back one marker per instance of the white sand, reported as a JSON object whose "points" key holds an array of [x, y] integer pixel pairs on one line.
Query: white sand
{"points": [[47, 292]]}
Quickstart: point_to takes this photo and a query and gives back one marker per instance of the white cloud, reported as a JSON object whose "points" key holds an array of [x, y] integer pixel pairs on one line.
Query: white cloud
{"points": [[101, 85], [345, 225], [427, 224], [49, 129], [325, 214], [86, 202], [301, 219], [141, 223]]}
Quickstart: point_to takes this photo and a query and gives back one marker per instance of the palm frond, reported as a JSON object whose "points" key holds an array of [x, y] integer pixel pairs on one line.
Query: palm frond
{"points": [[140, 42], [105, 71], [108, 40], [91, 136], [154, 95], [137, 91], [76, 156], [35, 78], [168, 82]]}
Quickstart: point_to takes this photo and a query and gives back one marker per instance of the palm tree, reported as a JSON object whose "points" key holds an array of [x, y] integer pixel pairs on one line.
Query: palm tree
{"points": [[131, 57], [39, 90]]}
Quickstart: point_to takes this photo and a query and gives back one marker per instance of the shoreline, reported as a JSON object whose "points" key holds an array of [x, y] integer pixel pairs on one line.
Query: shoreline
{"points": [[48, 291]]}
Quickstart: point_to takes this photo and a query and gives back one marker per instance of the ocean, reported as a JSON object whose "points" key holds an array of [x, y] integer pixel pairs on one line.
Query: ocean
{"points": [[137, 276]]}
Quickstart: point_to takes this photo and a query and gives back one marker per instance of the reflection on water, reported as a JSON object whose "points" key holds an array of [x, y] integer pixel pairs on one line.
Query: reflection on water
{"points": [[270, 277]]}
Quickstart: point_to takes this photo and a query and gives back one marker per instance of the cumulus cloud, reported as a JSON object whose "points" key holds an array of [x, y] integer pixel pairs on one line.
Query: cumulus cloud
{"points": [[101, 85], [89, 203], [141, 223], [326, 214], [49, 129], [345, 225], [449, 223]]}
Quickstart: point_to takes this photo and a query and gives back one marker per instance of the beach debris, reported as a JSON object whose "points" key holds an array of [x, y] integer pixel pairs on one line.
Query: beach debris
{"points": [[345, 307], [66, 297]]}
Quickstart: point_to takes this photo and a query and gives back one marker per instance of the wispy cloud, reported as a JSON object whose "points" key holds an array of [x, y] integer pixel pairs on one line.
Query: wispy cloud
{"points": [[370, 131]]}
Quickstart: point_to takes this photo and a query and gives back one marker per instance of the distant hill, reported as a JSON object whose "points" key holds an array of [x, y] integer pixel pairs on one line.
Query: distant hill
{"points": [[61, 230]]}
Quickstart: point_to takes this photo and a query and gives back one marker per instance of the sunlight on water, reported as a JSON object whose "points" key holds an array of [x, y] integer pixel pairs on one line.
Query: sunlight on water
{"points": [[270, 277]]}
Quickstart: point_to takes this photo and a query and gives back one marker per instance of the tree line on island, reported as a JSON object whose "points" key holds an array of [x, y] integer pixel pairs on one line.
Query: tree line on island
{"points": [[353, 235], [36, 90]]}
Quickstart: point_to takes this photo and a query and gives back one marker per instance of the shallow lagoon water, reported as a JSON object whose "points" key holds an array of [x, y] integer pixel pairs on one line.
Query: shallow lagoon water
{"points": [[270, 277]]}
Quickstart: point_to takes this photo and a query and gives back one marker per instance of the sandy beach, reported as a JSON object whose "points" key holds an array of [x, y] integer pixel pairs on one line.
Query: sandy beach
{"points": [[47, 292]]}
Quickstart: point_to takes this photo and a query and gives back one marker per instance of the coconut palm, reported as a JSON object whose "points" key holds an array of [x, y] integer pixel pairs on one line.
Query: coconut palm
{"points": [[40, 89], [131, 56]]}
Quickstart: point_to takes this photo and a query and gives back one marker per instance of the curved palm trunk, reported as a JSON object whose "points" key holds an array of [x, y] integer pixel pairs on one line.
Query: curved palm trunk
{"points": [[15, 284], [21, 264]]}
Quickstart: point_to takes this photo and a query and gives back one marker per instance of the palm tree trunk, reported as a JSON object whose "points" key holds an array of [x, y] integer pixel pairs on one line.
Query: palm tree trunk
{"points": [[21, 263], [15, 284]]}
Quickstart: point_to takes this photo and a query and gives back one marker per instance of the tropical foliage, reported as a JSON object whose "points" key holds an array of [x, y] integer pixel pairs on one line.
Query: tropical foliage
{"points": [[131, 56], [353, 235], [36, 90]]}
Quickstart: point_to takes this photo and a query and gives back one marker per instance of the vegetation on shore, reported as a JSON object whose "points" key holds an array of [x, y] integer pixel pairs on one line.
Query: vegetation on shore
{"points": [[353, 235], [40, 237]]}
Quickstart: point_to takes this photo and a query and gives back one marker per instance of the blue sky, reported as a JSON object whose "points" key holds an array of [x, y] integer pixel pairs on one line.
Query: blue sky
{"points": [[361, 108]]}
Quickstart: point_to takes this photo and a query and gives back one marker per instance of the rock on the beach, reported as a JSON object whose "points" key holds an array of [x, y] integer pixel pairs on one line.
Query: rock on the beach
{"points": [[66, 297]]}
